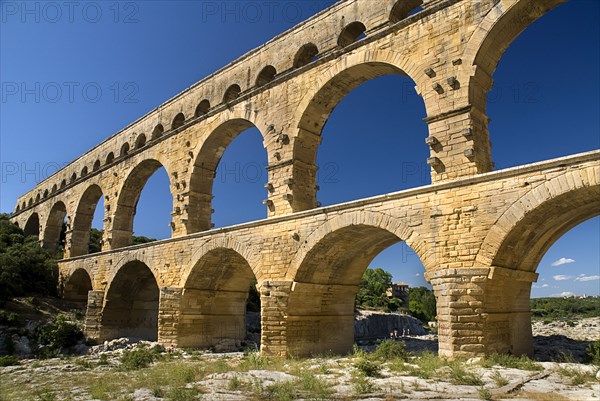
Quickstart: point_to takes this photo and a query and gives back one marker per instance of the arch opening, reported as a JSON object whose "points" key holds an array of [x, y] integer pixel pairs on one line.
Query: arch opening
{"points": [[351, 33], [215, 308], [517, 46], [124, 149], [178, 121], [131, 304], [54, 231], [305, 55], [32, 226], [404, 8], [266, 75], [232, 93], [82, 222], [96, 166], [519, 250], [110, 157], [84, 171], [234, 174], [202, 108], [321, 307], [158, 131], [128, 205], [54, 188], [73, 177], [140, 142], [63, 183], [77, 286], [333, 136]]}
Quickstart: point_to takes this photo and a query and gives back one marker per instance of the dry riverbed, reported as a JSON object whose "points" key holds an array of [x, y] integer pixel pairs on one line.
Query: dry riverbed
{"points": [[104, 374]]}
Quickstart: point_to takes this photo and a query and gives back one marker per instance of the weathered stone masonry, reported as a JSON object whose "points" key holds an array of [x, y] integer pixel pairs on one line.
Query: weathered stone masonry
{"points": [[479, 234]]}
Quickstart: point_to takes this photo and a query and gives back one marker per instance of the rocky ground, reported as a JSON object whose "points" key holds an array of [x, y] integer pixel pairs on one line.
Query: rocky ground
{"points": [[104, 374]]}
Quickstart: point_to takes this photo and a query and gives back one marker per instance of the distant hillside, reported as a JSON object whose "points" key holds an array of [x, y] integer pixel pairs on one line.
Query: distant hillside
{"points": [[565, 308]]}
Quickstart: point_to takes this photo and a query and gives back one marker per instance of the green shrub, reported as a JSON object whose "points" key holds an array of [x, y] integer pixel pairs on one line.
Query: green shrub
{"points": [[367, 368], [9, 318], [593, 353], [9, 360], [459, 375], [138, 359], [362, 385], [390, 349], [56, 335]]}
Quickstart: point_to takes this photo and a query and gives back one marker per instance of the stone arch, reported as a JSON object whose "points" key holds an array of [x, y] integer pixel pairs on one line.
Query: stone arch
{"points": [[178, 121], [202, 108], [82, 221], [84, 171], [129, 194], [73, 177], [54, 188], [316, 106], [23, 205], [232, 93], [77, 285], [38, 197], [158, 131], [266, 75], [124, 149], [515, 245], [305, 55], [54, 225], [213, 304], [46, 193], [96, 166], [30, 202], [351, 33], [326, 273], [131, 303], [110, 157], [204, 170], [63, 183], [522, 235], [492, 37], [403, 8], [32, 226], [140, 141]]}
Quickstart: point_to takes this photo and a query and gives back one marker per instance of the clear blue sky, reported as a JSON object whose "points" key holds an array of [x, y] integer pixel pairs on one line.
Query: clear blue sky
{"points": [[124, 59]]}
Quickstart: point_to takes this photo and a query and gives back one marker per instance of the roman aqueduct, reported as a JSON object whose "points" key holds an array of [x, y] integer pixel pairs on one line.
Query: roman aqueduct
{"points": [[479, 233]]}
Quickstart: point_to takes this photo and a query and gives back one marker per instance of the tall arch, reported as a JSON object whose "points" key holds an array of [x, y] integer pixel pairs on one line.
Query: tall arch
{"points": [[77, 286], [122, 225], [266, 75], [213, 304], [327, 272], [54, 225], [204, 170], [131, 304], [517, 242], [82, 221], [232, 93], [32, 226], [316, 108]]}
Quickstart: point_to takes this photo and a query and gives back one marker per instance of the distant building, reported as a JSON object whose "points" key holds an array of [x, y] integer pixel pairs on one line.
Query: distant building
{"points": [[398, 290]]}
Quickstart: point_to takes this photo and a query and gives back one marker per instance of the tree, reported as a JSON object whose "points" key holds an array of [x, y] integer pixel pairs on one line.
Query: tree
{"points": [[421, 303], [372, 291], [25, 267]]}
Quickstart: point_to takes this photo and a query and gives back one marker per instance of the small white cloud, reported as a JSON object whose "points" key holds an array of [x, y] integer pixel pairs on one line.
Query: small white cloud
{"points": [[562, 261], [583, 277], [561, 277], [418, 275], [545, 285], [564, 294]]}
